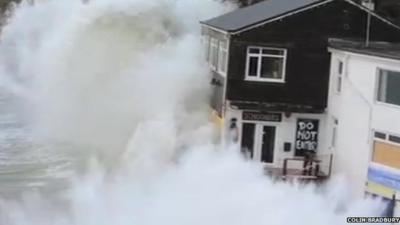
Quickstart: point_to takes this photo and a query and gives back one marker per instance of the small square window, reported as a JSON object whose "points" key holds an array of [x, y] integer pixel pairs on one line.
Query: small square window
{"points": [[254, 50], [274, 52], [394, 139], [380, 135]]}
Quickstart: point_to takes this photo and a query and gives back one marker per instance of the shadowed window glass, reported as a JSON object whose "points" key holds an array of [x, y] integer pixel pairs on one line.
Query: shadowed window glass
{"points": [[266, 64], [388, 87]]}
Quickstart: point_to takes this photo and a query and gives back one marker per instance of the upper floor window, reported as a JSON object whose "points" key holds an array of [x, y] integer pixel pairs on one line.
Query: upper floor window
{"points": [[339, 81], [334, 132], [266, 64], [222, 57], [206, 46], [216, 54], [388, 87], [213, 53]]}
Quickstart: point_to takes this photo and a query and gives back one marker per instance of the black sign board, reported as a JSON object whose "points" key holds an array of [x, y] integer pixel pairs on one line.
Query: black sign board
{"points": [[306, 136], [261, 116]]}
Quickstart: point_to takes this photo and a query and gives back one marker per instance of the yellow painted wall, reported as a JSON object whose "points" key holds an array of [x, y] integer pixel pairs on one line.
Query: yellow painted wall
{"points": [[218, 121], [380, 190], [386, 154]]}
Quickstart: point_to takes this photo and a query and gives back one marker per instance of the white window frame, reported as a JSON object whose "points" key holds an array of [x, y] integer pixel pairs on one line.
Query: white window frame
{"points": [[335, 128], [260, 55], [339, 76], [378, 88], [386, 140], [213, 43], [258, 132], [206, 47], [222, 65]]}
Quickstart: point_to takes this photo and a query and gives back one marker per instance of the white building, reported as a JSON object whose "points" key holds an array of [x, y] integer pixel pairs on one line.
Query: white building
{"points": [[364, 115]]}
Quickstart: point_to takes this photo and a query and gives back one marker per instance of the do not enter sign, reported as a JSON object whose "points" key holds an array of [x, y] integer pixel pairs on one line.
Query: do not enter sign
{"points": [[306, 136]]}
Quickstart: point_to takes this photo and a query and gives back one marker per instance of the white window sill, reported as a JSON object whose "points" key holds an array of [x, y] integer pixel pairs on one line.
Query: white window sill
{"points": [[265, 80], [384, 104], [221, 73], [213, 69]]}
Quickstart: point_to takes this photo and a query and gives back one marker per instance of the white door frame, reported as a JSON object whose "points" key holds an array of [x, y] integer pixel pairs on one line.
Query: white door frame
{"points": [[258, 135]]}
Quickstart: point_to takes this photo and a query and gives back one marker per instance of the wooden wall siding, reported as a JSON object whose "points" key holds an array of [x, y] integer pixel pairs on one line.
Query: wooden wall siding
{"points": [[305, 36], [386, 154]]}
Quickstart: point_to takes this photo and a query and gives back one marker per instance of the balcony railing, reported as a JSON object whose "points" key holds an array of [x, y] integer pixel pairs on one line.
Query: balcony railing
{"points": [[299, 168]]}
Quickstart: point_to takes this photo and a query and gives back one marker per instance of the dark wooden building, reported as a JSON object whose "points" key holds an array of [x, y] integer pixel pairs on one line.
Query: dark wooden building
{"points": [[271, 70]]}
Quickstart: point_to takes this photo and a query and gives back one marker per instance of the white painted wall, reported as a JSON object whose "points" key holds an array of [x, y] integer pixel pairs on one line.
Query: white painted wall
{"points": [[358, 113]]}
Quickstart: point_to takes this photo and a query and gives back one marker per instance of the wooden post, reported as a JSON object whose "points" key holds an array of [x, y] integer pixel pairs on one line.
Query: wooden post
{"points": [[285, 167]]}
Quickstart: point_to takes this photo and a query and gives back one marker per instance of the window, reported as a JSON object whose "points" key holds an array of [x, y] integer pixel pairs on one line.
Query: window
{"points": [[390, 138], [334, 132], [216, 54], [222, 57], [380, 135], [339, 76], [213, 54], [387, 152], [206, 46], [266, 64], [388, 87], [395, 139]]}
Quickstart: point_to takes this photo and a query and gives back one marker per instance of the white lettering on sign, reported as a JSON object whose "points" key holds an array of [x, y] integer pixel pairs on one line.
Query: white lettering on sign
{"points": [[306, 135]]}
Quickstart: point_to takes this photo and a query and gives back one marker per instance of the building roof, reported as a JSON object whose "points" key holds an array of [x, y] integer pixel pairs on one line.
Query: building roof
{"points": [[257, 13], [270, 10], [379, 49]]}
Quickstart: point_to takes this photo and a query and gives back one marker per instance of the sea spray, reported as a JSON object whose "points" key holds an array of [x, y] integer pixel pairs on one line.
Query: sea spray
{"points": [[123, 84]]}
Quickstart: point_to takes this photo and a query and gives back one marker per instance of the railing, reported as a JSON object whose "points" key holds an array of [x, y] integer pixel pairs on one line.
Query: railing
{"points": [[317, 168]]}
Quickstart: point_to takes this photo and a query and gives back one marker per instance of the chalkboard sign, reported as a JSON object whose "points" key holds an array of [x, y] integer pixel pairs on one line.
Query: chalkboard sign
{"points": [[262, 116], [306, 136]]}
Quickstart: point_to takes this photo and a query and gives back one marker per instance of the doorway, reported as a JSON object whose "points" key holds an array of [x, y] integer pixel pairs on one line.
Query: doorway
{"points": [[258, 142]]}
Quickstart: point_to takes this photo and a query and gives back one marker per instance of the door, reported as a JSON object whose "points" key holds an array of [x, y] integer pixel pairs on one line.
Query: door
{"points": [[248, 139], [258, 142], [268, 144]]}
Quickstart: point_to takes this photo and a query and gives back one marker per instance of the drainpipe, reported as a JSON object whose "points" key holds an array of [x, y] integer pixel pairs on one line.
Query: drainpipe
{"points": [[368, 32], [397, 205], [369, 4]]}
